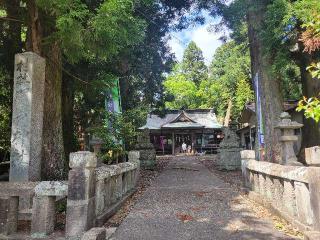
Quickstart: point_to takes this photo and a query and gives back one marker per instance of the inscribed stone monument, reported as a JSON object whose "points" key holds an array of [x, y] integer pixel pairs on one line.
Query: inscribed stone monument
{"points": [[27, 117]]}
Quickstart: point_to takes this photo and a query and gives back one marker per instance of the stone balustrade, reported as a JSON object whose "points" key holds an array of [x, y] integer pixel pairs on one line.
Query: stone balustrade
{"points": [[13, 196], [113, 185], [93, 195], [291, 191]]}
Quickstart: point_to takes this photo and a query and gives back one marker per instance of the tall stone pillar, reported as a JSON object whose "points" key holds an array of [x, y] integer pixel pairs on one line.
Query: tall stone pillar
{"points": [[27, 117]]}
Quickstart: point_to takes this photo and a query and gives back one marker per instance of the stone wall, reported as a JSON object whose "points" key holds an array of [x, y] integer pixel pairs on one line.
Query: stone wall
{"points": [[93, 195], [291, 191]]}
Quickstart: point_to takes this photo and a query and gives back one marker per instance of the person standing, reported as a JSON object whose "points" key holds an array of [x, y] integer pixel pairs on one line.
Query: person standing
{"points": [[184, 147]]}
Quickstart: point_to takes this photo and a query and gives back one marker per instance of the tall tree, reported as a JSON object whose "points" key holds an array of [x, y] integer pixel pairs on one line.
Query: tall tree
{"points": [[252, 13], [10, 44], [193, 66], [73, 30], [230, 78]]}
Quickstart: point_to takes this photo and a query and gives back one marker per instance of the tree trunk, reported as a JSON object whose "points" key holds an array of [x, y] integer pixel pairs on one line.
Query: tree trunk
{"points": [[269, 87], [228, 114], [12, 42], [310, 88], [69, 138], [53, 161]]}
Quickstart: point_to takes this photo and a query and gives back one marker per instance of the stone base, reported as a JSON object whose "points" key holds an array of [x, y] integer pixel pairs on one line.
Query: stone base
{"points": [[229, 159]]}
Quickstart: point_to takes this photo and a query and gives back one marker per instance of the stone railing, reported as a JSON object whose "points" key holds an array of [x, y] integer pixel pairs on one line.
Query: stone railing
{"points": [[93, 194], [291, 191], [44, 207], [12, 197]]}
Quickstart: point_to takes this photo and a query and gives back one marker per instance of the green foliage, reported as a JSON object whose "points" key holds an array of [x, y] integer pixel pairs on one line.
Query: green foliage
{"points": [[229, 79], [311, 108], [309, 13], [121, 30], [5, 110], [193, 66], [117, 129], [314, 68], [102, 32], [183, 91]]}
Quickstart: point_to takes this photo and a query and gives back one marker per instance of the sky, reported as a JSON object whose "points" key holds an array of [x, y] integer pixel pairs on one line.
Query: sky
{"points": [[207, 41]]}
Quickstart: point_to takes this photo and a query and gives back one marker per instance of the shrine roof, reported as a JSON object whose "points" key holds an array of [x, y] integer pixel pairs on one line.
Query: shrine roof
{"points": [[196, 118]]}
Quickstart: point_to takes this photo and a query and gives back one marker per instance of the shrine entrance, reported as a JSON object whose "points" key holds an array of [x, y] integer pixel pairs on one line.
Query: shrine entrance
{"points": [[180, 139]]}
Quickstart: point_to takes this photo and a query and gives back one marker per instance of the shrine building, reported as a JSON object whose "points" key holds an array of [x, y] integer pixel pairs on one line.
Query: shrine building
{"points": [[198, 129]]}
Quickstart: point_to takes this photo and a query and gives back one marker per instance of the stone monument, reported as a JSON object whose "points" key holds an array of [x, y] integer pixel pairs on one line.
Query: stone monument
{"points": [[229, 153], [146, 149], [27, 117], [288, 138]]}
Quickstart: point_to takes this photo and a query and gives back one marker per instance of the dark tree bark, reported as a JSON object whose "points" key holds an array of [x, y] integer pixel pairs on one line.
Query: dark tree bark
{"points": [[12, 43], [310, 88], [269, 86], [68, 93], [53, 162]]}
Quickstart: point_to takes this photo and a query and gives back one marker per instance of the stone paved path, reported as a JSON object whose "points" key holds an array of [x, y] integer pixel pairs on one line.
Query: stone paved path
{"points": [[187, 201]]}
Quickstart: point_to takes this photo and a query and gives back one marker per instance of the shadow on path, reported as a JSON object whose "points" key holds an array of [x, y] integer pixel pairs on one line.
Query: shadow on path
{"points": [[187, 201]]}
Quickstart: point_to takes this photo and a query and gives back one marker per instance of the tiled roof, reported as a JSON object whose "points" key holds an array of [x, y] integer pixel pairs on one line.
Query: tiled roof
{"points": [[201, 118]]}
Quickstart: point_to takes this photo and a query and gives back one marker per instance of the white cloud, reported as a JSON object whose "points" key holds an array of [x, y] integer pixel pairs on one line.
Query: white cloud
{"points": [[177, 47], [207, 41]]}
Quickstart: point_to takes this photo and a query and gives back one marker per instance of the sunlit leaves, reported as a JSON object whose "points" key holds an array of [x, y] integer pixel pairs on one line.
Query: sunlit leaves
{"points": [[311, 108], [102, 33]]}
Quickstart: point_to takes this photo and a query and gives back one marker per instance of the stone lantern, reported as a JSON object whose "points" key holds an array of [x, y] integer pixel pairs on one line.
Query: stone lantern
{"points": [[288, 139]]}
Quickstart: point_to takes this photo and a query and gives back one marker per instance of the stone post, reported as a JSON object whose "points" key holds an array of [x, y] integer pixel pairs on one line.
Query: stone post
{"points": [[81, 194], [303, 203], [43, 210], [288, 138], [134, 156], [43, 216], [289, 200], [246, 155], [314, 188], [8, 215], [27, 117], [313, 156], [278, 191]]}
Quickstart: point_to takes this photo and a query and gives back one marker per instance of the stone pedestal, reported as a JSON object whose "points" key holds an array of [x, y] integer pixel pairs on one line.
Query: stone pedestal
{"points": [[229, 153], [147, 151], [27, 117], [81, 194]]}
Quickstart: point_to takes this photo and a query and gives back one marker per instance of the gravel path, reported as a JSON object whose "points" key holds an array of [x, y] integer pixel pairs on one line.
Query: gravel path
{"points": [[187, 201]]}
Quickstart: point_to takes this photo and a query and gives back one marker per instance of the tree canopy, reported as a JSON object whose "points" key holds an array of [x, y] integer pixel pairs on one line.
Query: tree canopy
{"points": [[227, 78]]}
